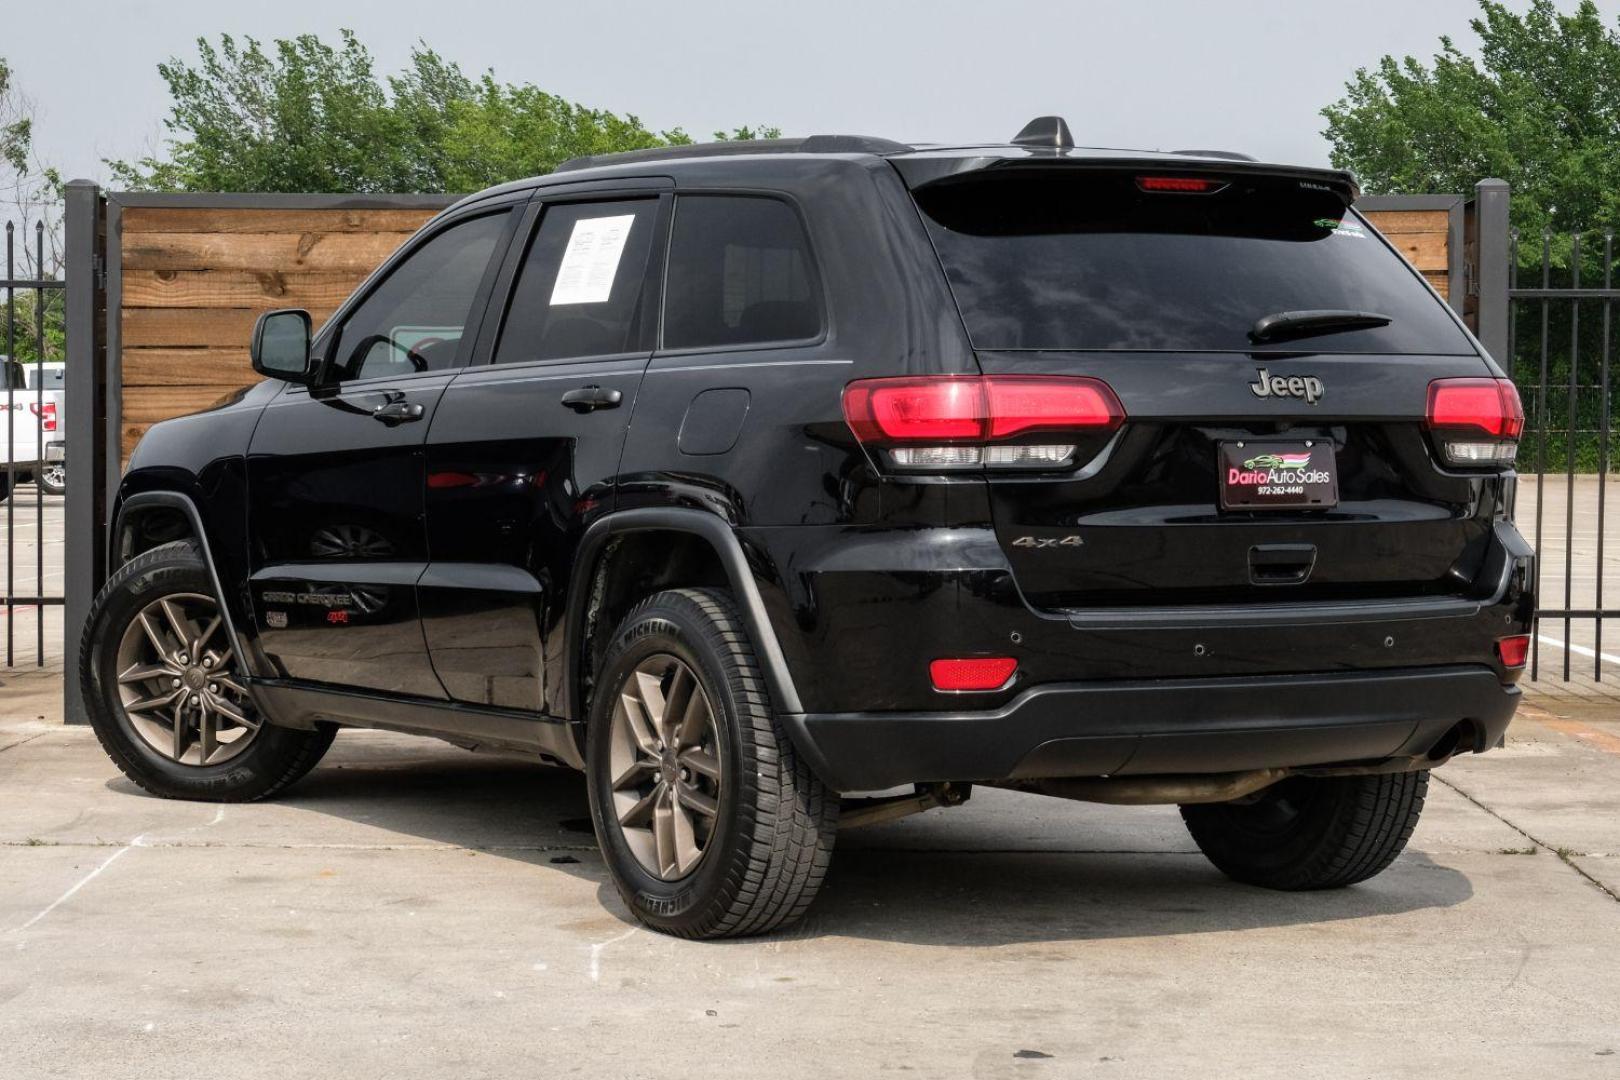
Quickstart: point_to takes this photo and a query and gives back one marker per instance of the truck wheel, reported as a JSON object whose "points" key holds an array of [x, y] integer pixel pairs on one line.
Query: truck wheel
{"points": [[1311, 832], [163, 687], [53, 478], [710, 823]]}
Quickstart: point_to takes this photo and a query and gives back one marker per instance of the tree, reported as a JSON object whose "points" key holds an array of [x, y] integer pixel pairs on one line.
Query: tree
{"points": [[307, 116], [1539, 107], [30, 200]]}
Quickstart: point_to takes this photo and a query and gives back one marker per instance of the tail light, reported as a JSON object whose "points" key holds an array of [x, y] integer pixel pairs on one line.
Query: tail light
{"points": [[1000, 421], [46, 414], [1477, 421], [972, 673]]}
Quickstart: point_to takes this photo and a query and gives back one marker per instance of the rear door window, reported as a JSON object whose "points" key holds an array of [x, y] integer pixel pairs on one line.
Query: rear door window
{"points": [[582, 289], [1042, 259], [740, 273]]}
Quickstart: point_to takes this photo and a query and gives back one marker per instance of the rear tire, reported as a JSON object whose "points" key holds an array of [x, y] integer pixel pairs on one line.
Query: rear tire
{"points": [[683, 738], [123, 701], [53, 479], [1311, 832]]}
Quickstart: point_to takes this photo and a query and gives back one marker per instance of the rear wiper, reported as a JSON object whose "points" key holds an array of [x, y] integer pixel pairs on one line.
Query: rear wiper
{"points": [[1290, 324]]}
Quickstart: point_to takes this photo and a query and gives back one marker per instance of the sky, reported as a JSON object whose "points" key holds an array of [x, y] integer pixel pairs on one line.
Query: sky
{"points": [[1247, 75]]}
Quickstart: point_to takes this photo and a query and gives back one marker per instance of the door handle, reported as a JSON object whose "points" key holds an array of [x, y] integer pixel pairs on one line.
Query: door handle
{"points": [[397, 412], [585, 399]]}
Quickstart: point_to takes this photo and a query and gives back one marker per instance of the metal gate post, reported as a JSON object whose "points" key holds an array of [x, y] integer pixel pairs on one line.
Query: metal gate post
{"points": [[84, 560], [1491, 214]]}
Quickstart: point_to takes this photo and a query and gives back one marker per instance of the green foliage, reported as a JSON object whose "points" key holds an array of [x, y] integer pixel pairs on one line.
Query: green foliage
{"points": [[23, 344], [307, 116], [1539, 107]]}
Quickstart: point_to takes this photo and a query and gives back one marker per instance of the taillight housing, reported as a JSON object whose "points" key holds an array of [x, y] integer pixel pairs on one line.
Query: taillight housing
{"points": [[951, 422], [46, 414], [1475, 421]]}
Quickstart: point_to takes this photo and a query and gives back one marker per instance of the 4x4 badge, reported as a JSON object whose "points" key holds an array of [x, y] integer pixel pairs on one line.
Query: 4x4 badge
{"points": [[1308, 387]]}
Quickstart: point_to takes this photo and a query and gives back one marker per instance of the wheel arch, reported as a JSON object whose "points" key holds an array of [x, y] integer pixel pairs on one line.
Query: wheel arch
{"points": [[170, 512], [694, 534]]}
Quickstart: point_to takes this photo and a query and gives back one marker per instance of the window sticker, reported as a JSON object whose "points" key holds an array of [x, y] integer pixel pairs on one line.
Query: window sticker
{"points": [[591, 260], [1346, 227]]}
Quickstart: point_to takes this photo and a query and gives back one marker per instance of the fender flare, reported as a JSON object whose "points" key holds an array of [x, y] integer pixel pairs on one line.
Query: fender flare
{"points": [[719, 535], [179, 501]]}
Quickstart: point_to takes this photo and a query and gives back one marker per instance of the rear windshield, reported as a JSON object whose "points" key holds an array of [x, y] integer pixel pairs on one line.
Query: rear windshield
{"points": [[1043, 260]]}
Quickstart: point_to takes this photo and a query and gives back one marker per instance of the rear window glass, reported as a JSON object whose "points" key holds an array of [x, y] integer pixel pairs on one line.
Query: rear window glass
{"points": [[1039, 260], [740, 273]]}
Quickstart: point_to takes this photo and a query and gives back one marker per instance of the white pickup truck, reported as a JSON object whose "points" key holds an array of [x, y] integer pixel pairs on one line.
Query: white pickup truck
{"points": [[31, 444]]}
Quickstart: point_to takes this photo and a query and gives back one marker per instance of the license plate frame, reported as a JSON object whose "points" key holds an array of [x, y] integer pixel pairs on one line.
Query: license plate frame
{"points": [[1270, 475]]}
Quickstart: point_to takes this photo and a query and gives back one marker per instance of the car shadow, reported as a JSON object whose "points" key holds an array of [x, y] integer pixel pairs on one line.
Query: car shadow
{"points": [[958, 880]]}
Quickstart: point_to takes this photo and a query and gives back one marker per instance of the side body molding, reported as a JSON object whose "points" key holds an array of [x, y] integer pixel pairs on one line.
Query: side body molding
{"points": [[740, 575]]}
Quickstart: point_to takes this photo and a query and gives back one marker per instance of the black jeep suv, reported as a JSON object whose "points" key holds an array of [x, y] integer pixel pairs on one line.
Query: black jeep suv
{"points": [[752, 477]]}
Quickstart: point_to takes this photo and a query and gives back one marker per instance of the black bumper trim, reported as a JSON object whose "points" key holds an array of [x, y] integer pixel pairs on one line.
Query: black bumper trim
{"points": [[1163, 726]]}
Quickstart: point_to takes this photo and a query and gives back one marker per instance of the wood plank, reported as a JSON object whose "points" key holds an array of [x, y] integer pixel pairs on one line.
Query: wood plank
{"points": [[174, 219], [1426, 251], [187, 367], [358, 253], [150, 404], [261, 290], [1390, 222], [216, 327]]}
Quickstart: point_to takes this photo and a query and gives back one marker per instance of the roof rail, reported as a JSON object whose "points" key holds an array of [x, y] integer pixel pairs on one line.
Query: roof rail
{"points": [[813, 144], [1229, 155]]}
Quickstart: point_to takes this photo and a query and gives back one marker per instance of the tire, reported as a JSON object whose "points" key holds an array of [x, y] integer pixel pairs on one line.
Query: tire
{"points": [[5, 484], [53, 479], [1311, 832], [269, 758], [769, 841]]}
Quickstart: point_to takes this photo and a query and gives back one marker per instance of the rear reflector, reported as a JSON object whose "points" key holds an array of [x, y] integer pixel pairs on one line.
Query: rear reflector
{"points": [[1514, 650], [972, 673], [945, 421]]}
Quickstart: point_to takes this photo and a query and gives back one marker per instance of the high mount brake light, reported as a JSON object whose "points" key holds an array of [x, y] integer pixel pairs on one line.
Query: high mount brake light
{"points": [[949, 421], [1181, 185], [1477, 421]]}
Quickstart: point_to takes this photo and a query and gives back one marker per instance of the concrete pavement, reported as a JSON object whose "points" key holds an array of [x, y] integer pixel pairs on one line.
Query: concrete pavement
{"points": [[410, 910]]}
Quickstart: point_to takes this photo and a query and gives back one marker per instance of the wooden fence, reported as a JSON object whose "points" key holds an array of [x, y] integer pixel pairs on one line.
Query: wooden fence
{"points": [[193, 273]]}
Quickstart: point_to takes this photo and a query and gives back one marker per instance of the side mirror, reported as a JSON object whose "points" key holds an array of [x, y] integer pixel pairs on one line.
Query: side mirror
{"points": [[281, 345]]}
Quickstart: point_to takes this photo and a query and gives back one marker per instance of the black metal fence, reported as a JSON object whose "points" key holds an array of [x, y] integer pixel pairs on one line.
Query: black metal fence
{"points": [[30, 337], [1561, 296]]}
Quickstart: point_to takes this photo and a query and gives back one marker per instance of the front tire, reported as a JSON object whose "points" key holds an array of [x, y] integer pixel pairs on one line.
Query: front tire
{"points": [[163, 687], [1311, 832], [710, 823]]}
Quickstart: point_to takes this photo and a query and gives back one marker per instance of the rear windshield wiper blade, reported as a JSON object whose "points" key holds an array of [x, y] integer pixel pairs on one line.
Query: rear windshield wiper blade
{"points": [[1291, 324]]}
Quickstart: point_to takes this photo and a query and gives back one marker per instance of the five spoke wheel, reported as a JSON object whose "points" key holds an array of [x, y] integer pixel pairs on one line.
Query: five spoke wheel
{"points": [[177, 682], [665, 765]]}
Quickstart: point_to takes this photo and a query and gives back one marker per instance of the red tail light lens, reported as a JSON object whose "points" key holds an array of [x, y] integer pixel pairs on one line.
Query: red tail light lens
{"points": [[1490, 405], [948, 410], [1476, 421], [47, 418], [972, 673], [1514, 650]]}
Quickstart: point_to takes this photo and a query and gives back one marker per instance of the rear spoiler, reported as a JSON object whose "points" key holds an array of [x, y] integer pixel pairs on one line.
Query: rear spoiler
{"points": [[924, 169]]}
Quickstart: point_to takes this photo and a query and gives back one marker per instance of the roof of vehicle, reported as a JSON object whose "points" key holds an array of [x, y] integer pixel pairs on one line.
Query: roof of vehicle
{"points": [[1045, 140]]}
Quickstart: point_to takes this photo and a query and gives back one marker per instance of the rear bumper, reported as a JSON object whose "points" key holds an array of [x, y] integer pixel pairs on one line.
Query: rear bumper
{"points": [[55, 451], [1162, 726]]}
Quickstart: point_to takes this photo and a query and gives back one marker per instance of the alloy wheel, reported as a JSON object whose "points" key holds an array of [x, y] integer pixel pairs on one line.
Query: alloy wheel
{"points": [[178, 683], [665, 763]]}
